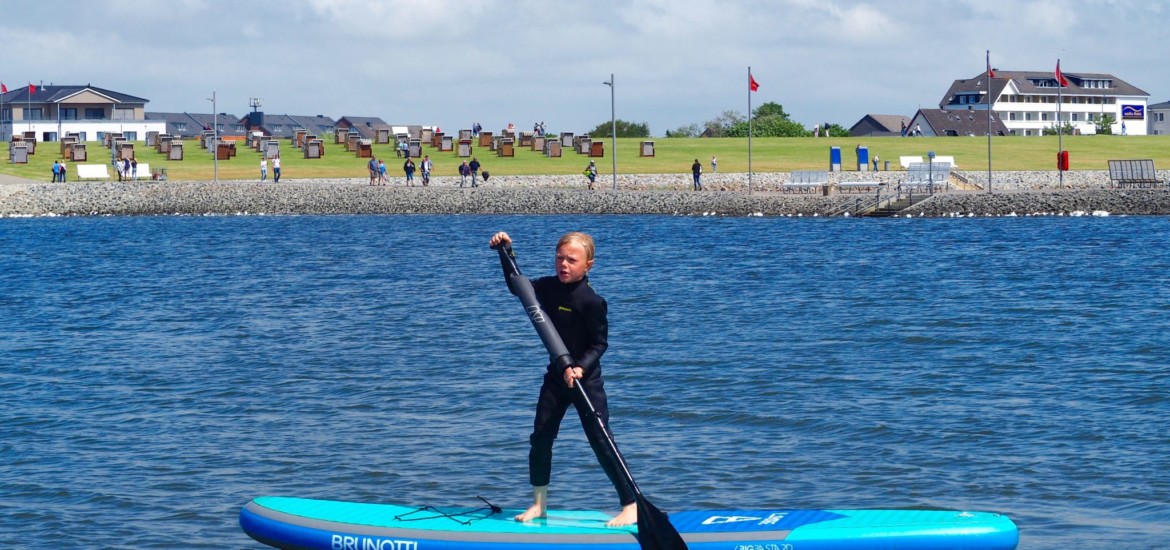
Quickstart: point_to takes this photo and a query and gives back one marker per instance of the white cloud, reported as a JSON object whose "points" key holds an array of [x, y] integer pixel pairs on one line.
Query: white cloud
{"points": [[452, 62]]}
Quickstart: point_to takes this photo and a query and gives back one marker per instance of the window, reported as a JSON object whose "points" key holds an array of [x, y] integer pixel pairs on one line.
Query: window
{"points": [[95, 113], [35, 113], [131, 136], [123, 114], [69, 114], [1075, 117], [180, 126]]}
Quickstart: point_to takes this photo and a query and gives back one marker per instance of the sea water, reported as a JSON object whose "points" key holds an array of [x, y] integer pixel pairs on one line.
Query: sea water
{"points": [[156, 373]]}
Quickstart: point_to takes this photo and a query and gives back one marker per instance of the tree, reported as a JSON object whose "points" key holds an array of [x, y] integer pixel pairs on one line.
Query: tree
{"points": [[1105, 125], [771, 108], [719, 126], [769, 126], [690, 130], [624, 129], [1065, 128]]}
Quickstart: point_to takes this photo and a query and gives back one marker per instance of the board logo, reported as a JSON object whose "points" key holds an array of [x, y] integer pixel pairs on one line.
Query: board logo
{"points": [[721, 520], [536, 314]]}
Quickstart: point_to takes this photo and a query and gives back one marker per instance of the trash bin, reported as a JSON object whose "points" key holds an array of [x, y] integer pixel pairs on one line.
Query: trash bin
{"points": [[887, 166]]}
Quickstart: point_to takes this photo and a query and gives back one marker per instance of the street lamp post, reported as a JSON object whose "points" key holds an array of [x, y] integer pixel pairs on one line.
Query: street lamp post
{"points": [[215, 137], [613, 127]]}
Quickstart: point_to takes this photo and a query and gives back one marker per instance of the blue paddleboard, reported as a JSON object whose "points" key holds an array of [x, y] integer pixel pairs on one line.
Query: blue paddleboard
{"points": [[306, 524]]}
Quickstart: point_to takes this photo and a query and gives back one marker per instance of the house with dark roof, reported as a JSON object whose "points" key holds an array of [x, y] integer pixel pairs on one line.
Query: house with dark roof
{"points": [[956, 122], [52, 111], [191, 125], [1158, 117], [872, 125], [367, 127], [285, 126], [1027, 101]]}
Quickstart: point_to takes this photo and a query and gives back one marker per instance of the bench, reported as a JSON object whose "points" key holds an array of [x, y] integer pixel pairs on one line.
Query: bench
{"points": [[805, 182], [858, 186], [925, 175], [1133, 173], [92, 172]]}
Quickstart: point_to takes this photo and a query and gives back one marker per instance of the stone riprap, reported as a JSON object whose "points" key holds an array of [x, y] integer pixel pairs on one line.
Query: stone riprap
{"points": [[1033, 193], [356, 197], [1045, 203]]}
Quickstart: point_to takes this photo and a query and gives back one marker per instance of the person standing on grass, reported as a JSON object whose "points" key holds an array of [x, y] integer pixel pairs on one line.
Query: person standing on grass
{"points": [[263, 169], [276, 168], [381, 172], [133, 168]]}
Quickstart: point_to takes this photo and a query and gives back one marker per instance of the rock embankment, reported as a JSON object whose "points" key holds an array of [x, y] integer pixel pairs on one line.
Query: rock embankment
{"points": [[725, 194]]}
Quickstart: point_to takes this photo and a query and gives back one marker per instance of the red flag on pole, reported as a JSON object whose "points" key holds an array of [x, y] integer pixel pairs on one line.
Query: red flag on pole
{"points": [[31, 89], [1060, 79], [3, 88], [990, 71], [752, 84]]}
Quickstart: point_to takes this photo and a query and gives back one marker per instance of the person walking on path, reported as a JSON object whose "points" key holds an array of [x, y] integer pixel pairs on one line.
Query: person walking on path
{"points": [[263, 169], [580, 317], [591, 173], [408, 167], [464, 172], [474, 170], [696, 170], [426, 170], [276, 168], [372, 166]]}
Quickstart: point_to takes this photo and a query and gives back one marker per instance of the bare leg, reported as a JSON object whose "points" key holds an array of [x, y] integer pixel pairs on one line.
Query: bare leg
{"points": [[628, 516], [539, 508]]}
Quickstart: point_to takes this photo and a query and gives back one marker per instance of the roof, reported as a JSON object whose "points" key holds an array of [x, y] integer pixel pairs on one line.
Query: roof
{"points": [[961, 122], [54, 93], [886, 123], [285, 125], [1025, 82], [367, 127], [195, 123], [1159, 106]]}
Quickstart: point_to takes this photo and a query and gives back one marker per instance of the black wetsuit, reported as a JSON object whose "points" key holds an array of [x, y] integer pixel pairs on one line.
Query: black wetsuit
{"points": [[580, 317]]}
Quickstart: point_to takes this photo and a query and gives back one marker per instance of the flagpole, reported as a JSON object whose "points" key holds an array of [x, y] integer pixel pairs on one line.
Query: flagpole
{"points": [[1059, 129], [749, 93], [989, 103]]}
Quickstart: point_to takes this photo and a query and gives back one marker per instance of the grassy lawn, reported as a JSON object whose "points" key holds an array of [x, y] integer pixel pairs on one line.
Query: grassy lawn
{"points": [[672, 156]]}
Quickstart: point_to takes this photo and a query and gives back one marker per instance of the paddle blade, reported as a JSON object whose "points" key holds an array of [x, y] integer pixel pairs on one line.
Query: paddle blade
{"points": [[655, 532]]}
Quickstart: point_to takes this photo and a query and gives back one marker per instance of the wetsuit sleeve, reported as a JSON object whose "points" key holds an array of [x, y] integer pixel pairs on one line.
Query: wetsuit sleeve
{"points": [[597, 330]]}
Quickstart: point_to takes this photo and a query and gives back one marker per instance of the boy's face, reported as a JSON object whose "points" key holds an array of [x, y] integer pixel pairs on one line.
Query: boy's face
{"points": [[571, 264]]}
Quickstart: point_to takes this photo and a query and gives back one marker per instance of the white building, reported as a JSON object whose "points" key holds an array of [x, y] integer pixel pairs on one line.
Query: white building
{"points": [[54, 111], [1026, 101], [1158, 116]]}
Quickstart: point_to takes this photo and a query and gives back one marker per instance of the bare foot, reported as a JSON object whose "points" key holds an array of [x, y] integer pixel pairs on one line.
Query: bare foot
{"points": [[628, 516], [533, 512]]}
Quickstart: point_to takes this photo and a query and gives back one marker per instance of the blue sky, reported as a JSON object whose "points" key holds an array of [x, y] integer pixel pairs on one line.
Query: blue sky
{"points": [[450, 63]]}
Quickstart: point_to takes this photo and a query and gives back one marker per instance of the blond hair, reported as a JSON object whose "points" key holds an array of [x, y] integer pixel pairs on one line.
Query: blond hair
{"points": [[580, 238]]}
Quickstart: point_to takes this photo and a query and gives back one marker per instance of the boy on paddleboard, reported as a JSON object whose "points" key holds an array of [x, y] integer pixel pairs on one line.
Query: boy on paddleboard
{"points": [[580, 318]]}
